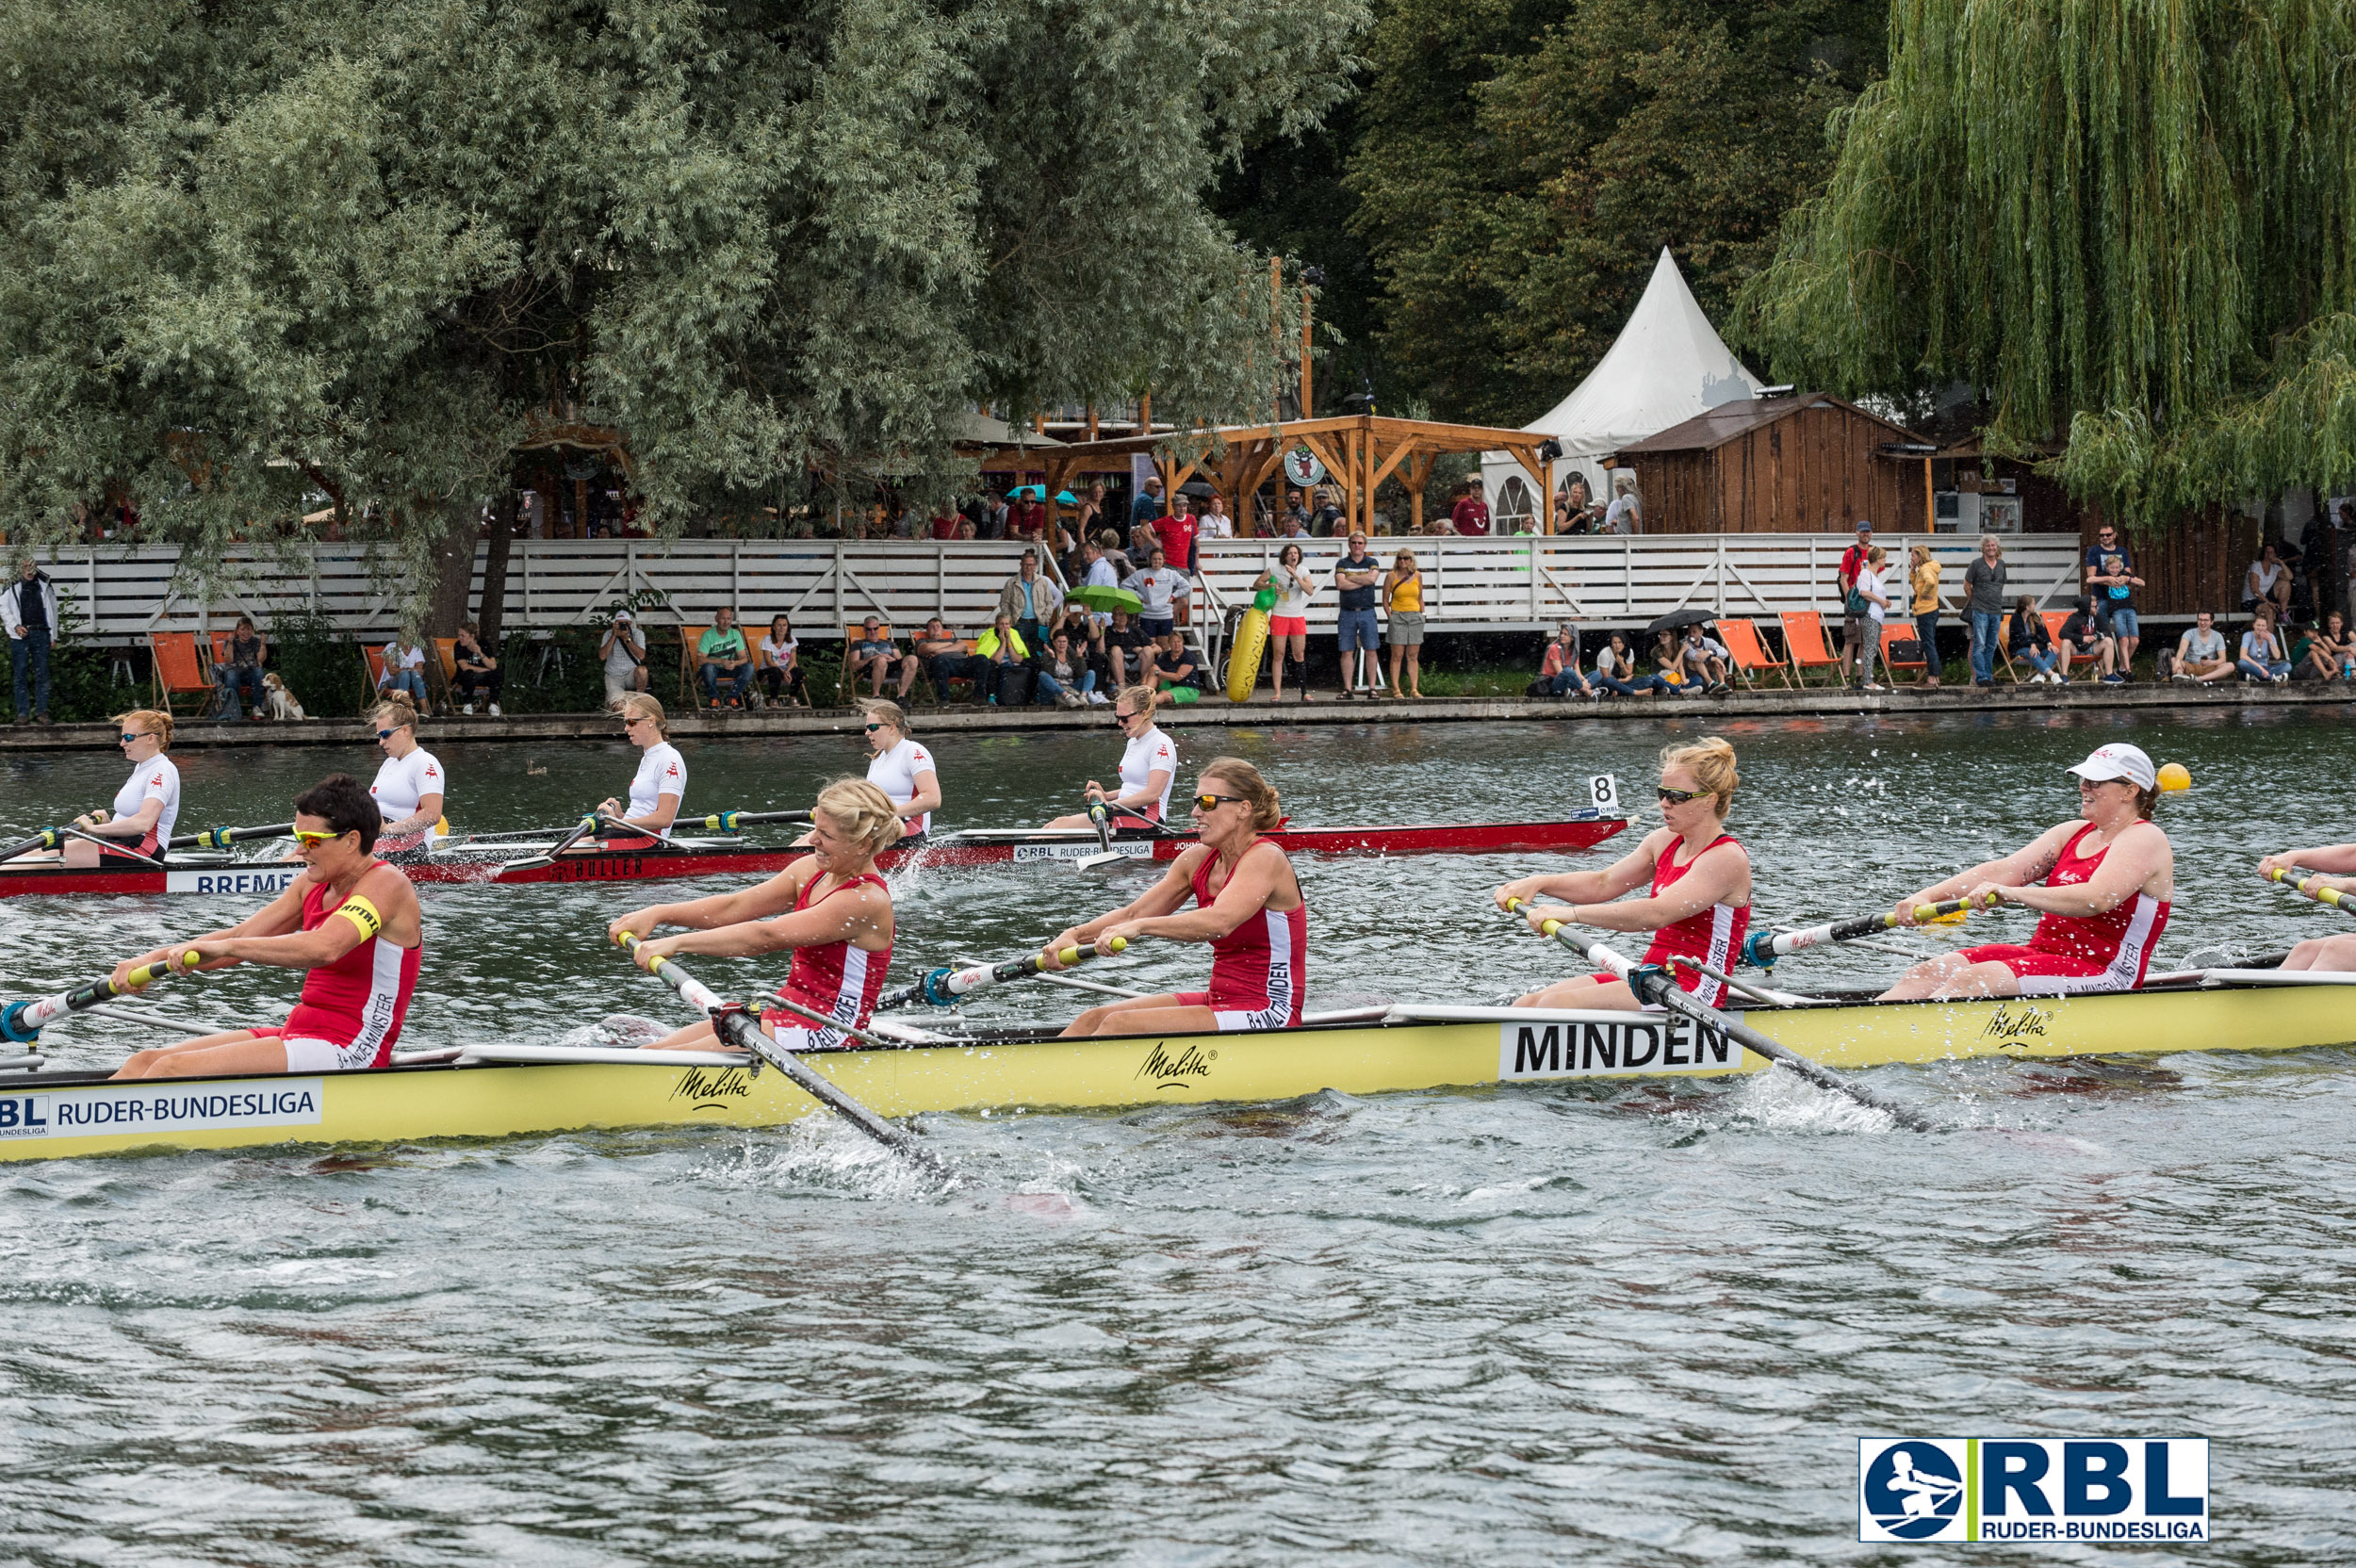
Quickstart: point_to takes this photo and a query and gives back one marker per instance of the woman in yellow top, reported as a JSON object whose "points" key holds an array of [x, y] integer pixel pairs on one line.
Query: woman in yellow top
{"points": [[1402, 595], [1923, 572]]}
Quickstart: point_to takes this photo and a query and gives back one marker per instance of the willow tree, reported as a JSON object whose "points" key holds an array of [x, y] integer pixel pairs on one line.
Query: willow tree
{"points": [[2130, 222], [259, 255]]}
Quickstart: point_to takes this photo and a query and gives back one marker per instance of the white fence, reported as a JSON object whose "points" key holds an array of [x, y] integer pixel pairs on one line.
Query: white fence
{"points": [[1510, 584]]}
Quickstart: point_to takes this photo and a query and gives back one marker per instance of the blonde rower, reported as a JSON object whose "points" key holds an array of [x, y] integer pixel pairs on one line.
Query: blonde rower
{"points": [[1148, 763], [660, 782], [410, 784]]}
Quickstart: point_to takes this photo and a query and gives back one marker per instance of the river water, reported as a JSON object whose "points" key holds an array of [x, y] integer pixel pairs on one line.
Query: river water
{"points": [[1636, 1324]]}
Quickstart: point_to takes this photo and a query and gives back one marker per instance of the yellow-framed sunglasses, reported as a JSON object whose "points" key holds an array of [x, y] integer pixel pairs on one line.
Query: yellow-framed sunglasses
{"points": [[309, 839]]}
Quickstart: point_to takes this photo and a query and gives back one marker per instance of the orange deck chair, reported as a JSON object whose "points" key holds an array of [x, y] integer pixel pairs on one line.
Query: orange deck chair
{"points": [[1804, 641], [178, 672], [690, 688], [1895, 632], [1749, 650], [2053, 620]]}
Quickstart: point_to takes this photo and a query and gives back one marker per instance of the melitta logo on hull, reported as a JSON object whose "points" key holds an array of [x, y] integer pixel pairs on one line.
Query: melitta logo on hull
{"points": [[271, 881], [712, 1088], [1175, 1069], [161, 1108], [2033, 1489], [1604, 1043], [2016, 1023], [1134, 850]]}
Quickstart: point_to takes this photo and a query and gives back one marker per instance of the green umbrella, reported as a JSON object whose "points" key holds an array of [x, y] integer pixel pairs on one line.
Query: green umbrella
{"points": [[1092, 596]]}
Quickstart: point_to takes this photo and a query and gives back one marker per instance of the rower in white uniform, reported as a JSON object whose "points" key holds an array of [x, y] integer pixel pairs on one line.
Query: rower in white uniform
{"points": [[149, 802], [660, 782], [900, 769], [410, 784], [1148, 763]]}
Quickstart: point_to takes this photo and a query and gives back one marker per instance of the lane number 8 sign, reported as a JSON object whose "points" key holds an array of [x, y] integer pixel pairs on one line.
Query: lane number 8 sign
{"points": [[1603, 793]]}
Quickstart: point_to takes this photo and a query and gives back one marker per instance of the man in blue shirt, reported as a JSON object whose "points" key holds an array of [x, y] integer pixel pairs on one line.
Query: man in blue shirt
{"points": [[1147, 505], [1359, 578], [2111, 584]]}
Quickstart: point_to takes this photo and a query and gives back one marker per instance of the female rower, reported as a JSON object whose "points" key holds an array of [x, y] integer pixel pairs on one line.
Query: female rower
{"points": [[1248, 907], [900, 769], [410, 782], [1699, 901], [1148, 763], [149, 802], [2331, 866], [349, 919], [830, 907], [2101, 882], [660, 782]]}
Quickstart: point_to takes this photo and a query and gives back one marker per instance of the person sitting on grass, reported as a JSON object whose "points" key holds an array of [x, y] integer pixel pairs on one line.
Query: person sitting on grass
{"points": [[872, 656], [2200, 656], [725, 660], [1559, 675], [2330, 654], [1619, 672], [1706, 658]]}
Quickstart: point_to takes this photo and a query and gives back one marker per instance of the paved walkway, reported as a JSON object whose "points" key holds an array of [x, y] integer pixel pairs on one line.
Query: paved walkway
{"points": [[1817, 701]]}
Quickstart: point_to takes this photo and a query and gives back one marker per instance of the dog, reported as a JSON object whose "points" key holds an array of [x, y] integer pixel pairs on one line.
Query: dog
{"points": [[281, 702]]}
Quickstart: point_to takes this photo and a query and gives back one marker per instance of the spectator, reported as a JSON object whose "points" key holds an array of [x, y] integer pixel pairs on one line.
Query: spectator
{"points": [[1160, 588], [1559, 676], [968, 528], [2029, 640], [1668, 659], [1575, 494], [923, 652], [1116, 558], [478, 677], [1402, 595], [1706, 658], [404, 671], [2262, 659], [1853, 605], [28, 607], [1288, 619], [1215, 523], [1176, 531], [722, 657], [1296, 528], [1125, 648], [2111, 584], [1027, 516], [1626, 515], [2331, 654], [1358, 579], [993, 522], [2267, 582], [1870, 579], [1147, 505], [1029, 600], [2201, 656], [1618, 671], [240, 670], [1923, 578], [1470, 514], [1324, 518], [1084, 633], [2082, 637], [944, 524], [1169, 662], [625, 657], [1088, 517], [1004, 673], [781, 663], [1065, 676], [873, 654], [1295, 509], [1984, 603]]}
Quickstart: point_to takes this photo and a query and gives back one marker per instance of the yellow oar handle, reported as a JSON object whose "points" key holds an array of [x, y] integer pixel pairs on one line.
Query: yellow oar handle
{"points": [[1073, 955], [1515, 906], [628, 943], [147, 973], [2306, 885]]}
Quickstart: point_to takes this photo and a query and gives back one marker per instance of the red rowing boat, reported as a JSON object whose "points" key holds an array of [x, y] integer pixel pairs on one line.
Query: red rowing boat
{"points": [[513, 864]]}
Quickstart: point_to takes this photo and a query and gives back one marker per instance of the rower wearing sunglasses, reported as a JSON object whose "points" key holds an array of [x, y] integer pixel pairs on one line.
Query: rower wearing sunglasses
{"points": [[900, 769], [1248, 907], [410, 785], [1699, 902], [660, 781], [149, 802], [1148, 764], [349, 919]]}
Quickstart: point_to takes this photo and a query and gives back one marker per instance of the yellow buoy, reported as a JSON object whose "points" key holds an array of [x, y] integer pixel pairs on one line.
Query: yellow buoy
{"points": [[1243, 659], [2174, 777]]}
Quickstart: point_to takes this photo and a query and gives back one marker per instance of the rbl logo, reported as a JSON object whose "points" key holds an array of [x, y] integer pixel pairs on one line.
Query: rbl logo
{"points": [[2033, 1489]]}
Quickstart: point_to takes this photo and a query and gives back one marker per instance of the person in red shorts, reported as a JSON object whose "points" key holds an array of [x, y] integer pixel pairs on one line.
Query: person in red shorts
{"points": [[2101, 882]]}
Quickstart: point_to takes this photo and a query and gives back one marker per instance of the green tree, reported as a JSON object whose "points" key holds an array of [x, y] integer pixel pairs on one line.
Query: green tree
{"points": [[262, 255], [2130, 225]]}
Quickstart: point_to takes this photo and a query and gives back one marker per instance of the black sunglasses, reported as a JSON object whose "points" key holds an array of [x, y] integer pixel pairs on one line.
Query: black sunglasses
{"points": [[1678, 797]]}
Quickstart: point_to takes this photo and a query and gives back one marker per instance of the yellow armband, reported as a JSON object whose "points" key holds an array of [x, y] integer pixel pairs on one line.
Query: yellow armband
{"points": [[363, 914]]}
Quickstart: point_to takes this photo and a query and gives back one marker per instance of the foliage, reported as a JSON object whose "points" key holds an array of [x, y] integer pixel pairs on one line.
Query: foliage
{"points": [[2134, 226], [268, 259], [81, 676], [1522, 162], [321, 668]]}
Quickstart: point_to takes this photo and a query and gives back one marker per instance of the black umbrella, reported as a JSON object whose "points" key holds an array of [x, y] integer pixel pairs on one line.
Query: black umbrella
{"points": [[1677, 620], [1196, 488]]}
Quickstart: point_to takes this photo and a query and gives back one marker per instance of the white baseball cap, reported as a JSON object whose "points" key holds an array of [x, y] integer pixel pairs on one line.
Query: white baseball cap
{"points": [[2119, 760]]}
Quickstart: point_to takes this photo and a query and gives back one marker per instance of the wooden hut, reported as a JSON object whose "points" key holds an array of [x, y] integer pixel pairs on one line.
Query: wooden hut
{"points": [[1806, 463]]}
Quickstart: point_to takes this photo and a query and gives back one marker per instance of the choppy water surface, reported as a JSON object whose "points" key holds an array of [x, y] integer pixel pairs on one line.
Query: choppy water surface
{"points": [[1639, 1324]]}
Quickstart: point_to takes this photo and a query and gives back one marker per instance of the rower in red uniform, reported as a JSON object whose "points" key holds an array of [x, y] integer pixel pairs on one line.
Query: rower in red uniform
{"points": [[350, 919], [1248, 907], [2101, 881], [830, 907], [1699, 902]]}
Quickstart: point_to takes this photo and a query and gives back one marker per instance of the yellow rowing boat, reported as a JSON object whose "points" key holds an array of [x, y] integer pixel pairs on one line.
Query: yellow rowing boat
{"points": [[515, 1090]]}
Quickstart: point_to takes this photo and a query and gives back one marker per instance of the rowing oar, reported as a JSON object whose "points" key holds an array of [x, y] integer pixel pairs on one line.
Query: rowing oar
{"points": [[1765, 947], [1654, 984], [737, 1027], [22, 1022], [581, 829], [1106, 856], [221, 837], [729, 822], [943, 985], [48, 837], [2308, 887]]}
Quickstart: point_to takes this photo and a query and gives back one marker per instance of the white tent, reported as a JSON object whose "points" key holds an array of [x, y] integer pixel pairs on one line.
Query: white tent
{"points": [[1668, 365]]}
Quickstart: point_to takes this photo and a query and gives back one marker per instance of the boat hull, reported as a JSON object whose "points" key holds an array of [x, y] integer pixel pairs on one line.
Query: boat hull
{"points": [[56, 1116], [493, 863]]}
